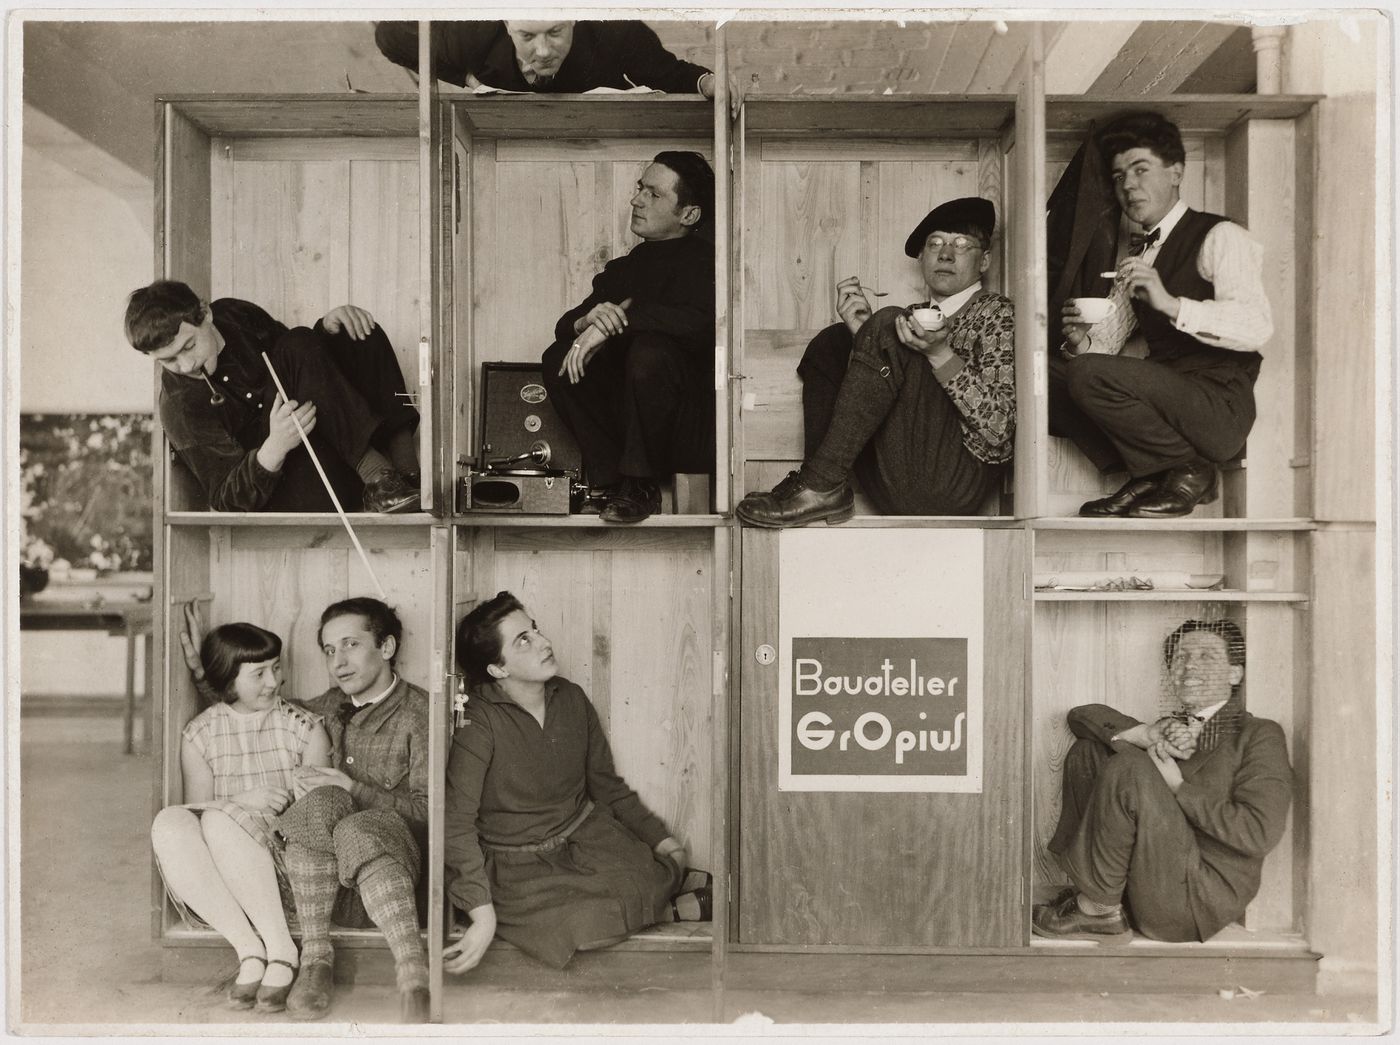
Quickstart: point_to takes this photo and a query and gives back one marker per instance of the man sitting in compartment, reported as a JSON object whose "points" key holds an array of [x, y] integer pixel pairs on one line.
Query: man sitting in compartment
{"points": [[925, 417], [631, 371], [225, 419], [357, 832], [547, 57], [1165, 825], [1192, 287]]}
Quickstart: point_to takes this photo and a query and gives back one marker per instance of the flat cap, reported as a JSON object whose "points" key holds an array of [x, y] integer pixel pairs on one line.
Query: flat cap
{"points": [[970, 212]]}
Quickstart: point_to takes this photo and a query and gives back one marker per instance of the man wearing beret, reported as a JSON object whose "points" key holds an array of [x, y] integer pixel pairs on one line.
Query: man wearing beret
{"points": [[925, 417]]}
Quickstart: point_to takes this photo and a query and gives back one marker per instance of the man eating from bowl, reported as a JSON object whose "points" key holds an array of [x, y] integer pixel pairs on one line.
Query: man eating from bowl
{"points": [[923, 414]]}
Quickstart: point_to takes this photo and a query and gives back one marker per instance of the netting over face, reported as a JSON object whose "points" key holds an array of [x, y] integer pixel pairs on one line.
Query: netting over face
{"points": [[1202, 666]]}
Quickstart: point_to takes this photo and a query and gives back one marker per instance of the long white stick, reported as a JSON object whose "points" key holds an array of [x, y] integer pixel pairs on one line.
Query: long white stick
{"points": [[322, 473]]}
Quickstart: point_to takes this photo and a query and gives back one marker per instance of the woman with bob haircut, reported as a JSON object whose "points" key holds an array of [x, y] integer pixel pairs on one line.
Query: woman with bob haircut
{"points": [[216, 851], [545, 842]]}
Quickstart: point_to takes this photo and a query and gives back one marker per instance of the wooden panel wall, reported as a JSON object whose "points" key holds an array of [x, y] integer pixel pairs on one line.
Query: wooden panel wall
{"points": [[815, 213], [546, 216], [883, 869], [283, 578], [303, 225], [630, 619]]}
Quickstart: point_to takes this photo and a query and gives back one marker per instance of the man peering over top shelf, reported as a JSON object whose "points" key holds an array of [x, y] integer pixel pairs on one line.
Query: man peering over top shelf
{"points": [[227, 422], [560, 57]]}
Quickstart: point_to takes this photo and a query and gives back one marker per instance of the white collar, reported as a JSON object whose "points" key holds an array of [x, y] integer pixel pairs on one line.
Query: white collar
{"points": [[950, 306], [1205, 714], [393, 681], [1168, 222]]}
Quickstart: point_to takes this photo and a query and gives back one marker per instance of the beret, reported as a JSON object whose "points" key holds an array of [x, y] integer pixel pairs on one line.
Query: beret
{"points": [[971, 211]]}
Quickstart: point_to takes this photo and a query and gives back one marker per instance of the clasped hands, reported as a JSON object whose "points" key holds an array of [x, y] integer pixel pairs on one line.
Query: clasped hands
{"points": [[1168, 740], [602, 321]]}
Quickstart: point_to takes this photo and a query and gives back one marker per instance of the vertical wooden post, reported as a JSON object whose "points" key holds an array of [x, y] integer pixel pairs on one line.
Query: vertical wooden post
{"points": [[724, 366], [1028, 289]]}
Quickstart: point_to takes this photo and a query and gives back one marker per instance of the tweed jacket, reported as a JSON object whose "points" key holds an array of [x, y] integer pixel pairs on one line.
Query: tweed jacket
{"points": [[1235, 797], [384, 751]]}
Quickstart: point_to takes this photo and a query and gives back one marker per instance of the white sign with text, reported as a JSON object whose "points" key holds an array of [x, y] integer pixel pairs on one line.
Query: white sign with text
{"points": [[880, 660]]}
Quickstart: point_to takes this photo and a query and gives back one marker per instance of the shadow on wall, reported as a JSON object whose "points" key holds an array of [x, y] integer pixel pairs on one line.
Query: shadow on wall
{"points": [[85, 491]]}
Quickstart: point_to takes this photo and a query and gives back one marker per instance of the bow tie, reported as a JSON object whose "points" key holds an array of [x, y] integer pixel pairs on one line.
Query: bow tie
{"points": [[1140, 243], [349, 710]]}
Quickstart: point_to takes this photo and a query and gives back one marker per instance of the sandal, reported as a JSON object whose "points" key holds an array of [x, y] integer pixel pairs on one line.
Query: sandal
{"points": [[274, 999], [704, 896], [242, 995]]}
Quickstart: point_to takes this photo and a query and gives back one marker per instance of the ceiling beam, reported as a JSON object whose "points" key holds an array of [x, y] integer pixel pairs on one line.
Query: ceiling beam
{"points": [[1082, 52], [1160, 56]]}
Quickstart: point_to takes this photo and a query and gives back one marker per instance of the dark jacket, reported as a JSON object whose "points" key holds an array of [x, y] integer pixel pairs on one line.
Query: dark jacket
{"points": [[618, 54], [1235, 797]]}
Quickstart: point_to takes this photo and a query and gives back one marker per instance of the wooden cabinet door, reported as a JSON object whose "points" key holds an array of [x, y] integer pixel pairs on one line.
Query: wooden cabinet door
{"points": [[892, 867]]}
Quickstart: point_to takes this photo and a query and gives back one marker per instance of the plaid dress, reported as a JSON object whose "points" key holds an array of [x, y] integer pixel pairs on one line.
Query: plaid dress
{"points": [[247, 751]]}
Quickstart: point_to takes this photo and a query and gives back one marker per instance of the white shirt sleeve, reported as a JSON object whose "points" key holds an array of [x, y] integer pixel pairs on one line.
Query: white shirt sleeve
{"points": [[1239, 317]]}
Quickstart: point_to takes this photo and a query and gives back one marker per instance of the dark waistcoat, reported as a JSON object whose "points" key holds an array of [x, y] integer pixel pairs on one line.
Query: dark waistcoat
{"points": [[1176, 263]]}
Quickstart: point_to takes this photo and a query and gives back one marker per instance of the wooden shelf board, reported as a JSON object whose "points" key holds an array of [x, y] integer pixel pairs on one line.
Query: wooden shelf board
{"points": [[301, 115], [585, 522], [1232, 940], [1189, 595], [931, 522], [903, 116], [585, 115], [359, 520], [1190, 112], [1188, 524]]}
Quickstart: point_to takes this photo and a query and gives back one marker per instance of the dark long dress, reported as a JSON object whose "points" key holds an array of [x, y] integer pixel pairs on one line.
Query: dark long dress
{"points": [[513, 783]]}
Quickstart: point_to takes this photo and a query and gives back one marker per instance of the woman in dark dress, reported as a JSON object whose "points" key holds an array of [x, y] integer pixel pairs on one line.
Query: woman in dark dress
{"points": [[546, 845]]}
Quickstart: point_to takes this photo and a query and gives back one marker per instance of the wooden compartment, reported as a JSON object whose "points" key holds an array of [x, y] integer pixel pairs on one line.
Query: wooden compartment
{"points": [[1248, 158], [282, 577], [535, 203], [831, 188], [300, 203], [1108, 651], [635, 619]]}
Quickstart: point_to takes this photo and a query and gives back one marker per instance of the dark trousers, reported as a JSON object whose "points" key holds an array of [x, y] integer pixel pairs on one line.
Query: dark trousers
{"points": [[872, 406], [645, 407], [1145, 417], [357, 387], [1122, 838]]}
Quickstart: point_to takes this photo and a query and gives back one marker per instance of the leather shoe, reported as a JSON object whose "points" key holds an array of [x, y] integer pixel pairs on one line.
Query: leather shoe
{"points": [[390, 494], [274, 999], [413, 1005], [1118, 503], [635, 500], [1180, 490], [794, 502], [1063, 920], [310, 998]]}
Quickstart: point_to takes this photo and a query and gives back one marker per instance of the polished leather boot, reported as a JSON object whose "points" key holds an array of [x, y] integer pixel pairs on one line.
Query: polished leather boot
{"points": [[793, 502], [1118, 503], [1180, 490]]}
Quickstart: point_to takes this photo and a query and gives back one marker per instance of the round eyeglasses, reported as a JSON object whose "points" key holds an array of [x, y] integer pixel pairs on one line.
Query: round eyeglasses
{"points": [[960, 244]]}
